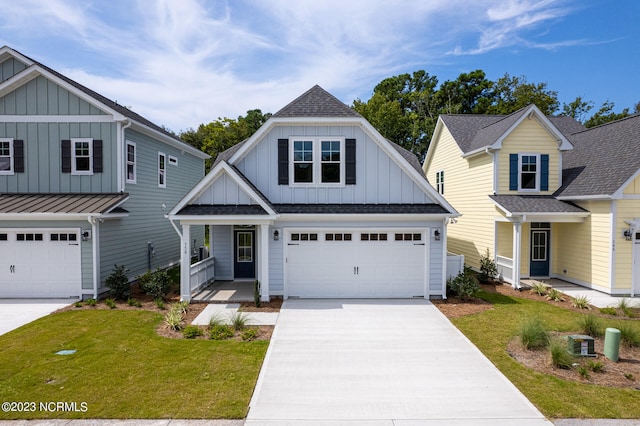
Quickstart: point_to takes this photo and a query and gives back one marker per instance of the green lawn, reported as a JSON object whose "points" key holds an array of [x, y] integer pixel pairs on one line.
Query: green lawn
{"points": [[491, 330], [123, 369]]}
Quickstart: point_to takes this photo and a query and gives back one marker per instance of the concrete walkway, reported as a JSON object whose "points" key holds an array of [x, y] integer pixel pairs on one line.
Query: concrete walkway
{"points": [[596, 298], [15, 313], [225, 313], [379, 362]]}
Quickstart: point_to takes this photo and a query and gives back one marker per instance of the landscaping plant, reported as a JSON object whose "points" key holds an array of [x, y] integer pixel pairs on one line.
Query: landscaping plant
{"points": [[629, 335], [555, 295], [533, 334], [239, 321], [464, 285], [590, 325], [249, 333], [256, 293], [560, 358], [488, 268], [111, 303], [155, 284], [539, 288], [118, 283], [173, 319], [581, 302], [192, 331], [220, 332]]}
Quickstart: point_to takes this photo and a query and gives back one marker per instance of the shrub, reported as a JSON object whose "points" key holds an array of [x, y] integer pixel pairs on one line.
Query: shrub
{"points": [[220, 332], [91, 302], [464, 286], [249, 333], [111, 303], [533, 334], [118, 283], [134, 302], [539, 288], [78, 304], [173, 319], [159, 303], [488, 268], [182, 306], [595, 366], [192, 331], [584, 372], [608, 311], [239, 321], [555, 295], [560, 358], [590, 325], [629, 335], [155, 284], [215, 320], [581, 302], [256, 294]]}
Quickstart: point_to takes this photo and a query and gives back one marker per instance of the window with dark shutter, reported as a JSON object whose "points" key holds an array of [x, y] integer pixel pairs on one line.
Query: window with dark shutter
{"points": [[350, 162], [283, 161], [544, 172], [65, 146], [513, 172], [18, 156], [97, 156]]}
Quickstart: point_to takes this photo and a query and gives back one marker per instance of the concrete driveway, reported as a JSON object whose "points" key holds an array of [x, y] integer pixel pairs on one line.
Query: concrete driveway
{"points": [[379, 362], [15, 313]]}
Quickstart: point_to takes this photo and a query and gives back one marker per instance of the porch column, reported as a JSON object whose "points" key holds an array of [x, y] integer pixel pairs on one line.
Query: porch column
{"points": [[210, 240], [263, 273], [517, 241], [185, 263]]}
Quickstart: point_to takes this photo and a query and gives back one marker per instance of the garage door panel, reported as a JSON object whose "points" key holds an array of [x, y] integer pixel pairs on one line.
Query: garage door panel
{"points": [[358, 268]]}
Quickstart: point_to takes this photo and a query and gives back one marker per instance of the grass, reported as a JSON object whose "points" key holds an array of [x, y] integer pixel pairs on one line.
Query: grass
{"points": [[491, 330], [533, 334], [123, 369], [590, 325]]}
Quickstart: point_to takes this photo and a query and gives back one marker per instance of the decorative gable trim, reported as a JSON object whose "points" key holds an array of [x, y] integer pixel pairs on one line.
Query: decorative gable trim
{"points": [[221, 168]]}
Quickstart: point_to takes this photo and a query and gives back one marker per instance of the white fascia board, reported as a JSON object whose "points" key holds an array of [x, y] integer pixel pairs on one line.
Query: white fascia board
{"points": [[482, 150], [583, 197], [223, 220], [533, 111], [18, 80], [350, 217], [46, 216], [6, 52], [210, 178], [183, 146], [56, 118], [619, 193]]}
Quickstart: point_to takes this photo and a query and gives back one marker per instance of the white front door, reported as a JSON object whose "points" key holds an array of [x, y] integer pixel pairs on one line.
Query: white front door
{"points": [[356, 263], [38, 262]]}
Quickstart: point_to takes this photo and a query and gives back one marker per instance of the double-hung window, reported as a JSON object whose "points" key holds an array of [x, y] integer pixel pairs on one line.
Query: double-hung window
{"points": [[440, 181], [6, 156], [318, 161], [529, 176], [131, 162], [82, 156], [162, 170]]}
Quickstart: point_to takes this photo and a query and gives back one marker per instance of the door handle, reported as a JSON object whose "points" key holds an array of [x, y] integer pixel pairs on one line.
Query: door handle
{"points": [[354, 270], [12, 269]]}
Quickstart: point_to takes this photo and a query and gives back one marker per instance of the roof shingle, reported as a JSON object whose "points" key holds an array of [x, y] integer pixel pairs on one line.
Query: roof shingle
{"points": [[316, 102]]}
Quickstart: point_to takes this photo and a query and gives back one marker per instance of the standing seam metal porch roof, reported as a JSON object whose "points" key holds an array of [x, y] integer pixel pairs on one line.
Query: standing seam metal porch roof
{"points": [[90, 204]]}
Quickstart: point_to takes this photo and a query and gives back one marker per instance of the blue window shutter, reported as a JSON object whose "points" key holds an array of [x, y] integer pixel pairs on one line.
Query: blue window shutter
{"points": [[350, 161], [513, 172], [283, 161], [544, 172]]}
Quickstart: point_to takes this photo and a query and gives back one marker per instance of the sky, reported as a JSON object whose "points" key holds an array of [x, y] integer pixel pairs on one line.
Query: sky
{"points": [[181, 63]]}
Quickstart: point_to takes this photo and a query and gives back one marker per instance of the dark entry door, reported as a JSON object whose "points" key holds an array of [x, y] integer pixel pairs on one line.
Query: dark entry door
{"points": [[244, 258], [539, 253]]}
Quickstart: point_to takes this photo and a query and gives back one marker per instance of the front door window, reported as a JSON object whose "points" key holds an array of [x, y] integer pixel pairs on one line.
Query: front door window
{"points": [[245, 246]]}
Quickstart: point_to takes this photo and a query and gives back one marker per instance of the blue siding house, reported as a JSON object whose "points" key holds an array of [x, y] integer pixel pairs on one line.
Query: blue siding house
{"points": [[85, 183], [318, 204]]}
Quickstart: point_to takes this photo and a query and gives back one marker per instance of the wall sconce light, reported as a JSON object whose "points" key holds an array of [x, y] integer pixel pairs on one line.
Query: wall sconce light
{"points": [[627, 234], [276, 235], [436, 235]]}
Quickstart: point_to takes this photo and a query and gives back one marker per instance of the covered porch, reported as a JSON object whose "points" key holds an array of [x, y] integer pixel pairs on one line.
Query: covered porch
{"points": [[526, 233], [225, 292]]}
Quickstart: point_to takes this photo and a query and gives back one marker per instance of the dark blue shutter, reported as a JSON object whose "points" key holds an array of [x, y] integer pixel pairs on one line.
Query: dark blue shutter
{"points": [[283, 161], [544, 172], [65, 147], [350, 161], [97, 156], [513, 172], [18, 156]]}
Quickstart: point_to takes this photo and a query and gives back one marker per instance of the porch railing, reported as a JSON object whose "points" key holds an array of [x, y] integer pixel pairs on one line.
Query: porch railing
{"points": [[455, 264], [505, 268], [201, 273]]}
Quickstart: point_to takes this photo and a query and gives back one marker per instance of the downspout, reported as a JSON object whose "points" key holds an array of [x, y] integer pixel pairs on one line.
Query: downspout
{"points": [[95, 246], [121, 153]]}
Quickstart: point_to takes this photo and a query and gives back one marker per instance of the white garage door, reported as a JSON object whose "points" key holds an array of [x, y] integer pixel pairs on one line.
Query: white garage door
{"points": [[356, 263], [40, 263]]}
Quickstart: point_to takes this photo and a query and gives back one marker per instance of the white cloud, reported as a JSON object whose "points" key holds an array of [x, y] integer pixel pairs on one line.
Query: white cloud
{"points": [[184, 62]]}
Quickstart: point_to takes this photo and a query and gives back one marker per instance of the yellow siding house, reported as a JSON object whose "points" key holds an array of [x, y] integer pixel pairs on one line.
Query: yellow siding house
{"points": [[548, 197]]}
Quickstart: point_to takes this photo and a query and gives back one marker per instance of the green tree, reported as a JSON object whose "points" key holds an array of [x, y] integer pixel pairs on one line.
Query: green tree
{"points": [[222, 134], [577, 109], [470, 93], [513, 93], [606, 114]]}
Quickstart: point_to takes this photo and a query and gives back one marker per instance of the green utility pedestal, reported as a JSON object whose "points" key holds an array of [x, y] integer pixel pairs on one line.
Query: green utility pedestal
{"points": [[612, 344]]}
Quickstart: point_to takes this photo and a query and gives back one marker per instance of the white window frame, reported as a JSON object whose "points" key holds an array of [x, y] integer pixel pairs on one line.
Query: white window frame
{"points": [[537, 178], [173, 160], [317, 160], [133, 163], [11, 153], [440, 181], [74, 158], [162, 172]]}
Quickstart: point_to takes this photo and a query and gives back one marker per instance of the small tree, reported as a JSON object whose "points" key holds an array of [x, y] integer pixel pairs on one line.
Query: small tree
{"points": [[155, 284], [488, 268], [118, 283], [464, 286]]}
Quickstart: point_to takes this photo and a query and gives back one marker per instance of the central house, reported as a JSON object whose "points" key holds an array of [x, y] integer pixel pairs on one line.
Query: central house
{"points": [[318, 204]]}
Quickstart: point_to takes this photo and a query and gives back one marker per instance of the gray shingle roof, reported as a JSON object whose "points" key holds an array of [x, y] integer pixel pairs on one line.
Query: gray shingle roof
{"points": [[316, 102], [360, 208], [61, 203], [221, 210], [464, 127], [535, 204], [603, 158]]}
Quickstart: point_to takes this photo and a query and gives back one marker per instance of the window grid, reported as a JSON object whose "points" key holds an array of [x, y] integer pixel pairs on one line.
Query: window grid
{"points": [[131, 162], [528, 171], [162, 170], [303, 161], [5, 156], [440, 181], [330, 161]]}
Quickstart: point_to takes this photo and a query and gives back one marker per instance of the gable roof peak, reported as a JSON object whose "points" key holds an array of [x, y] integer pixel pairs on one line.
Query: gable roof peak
{"points": [[316, 102]]}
